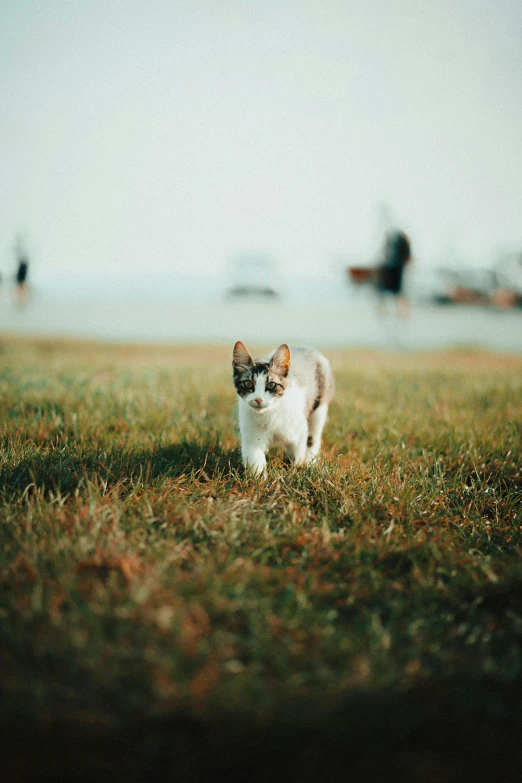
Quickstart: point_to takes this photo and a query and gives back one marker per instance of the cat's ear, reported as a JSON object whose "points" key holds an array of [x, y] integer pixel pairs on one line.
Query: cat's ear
{"points": [[281, 360], [240, 356]]}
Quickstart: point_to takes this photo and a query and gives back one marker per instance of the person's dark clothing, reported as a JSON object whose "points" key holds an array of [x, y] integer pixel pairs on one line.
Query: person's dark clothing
{"points": [[397, 254], [21, 275]]}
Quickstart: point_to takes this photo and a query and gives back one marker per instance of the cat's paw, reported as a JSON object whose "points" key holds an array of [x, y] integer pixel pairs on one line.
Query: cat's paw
{"points": [[256, 469], [312, 455]]}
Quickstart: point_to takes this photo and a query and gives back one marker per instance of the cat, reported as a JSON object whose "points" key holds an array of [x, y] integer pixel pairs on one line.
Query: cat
{"points": [[283, 400]]}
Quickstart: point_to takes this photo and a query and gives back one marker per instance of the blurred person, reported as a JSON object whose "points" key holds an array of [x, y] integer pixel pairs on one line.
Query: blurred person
{"points": [[389, 276], [22, 269]]}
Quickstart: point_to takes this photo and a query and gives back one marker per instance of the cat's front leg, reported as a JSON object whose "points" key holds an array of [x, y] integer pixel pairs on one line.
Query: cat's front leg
{"points": [[254, 458]]}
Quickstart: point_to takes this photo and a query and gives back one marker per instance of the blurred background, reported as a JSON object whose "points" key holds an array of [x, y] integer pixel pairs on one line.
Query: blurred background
{"points": [[213, 170]]}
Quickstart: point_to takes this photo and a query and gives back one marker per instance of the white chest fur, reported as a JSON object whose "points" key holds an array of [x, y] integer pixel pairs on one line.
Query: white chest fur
{"points": [[283, 423], [276, 424]]}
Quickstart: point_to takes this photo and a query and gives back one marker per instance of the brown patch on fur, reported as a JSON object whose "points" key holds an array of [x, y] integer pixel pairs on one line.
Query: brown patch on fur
{"points": [[240, 356], [281, 381], [280, 362], [320, 386]]}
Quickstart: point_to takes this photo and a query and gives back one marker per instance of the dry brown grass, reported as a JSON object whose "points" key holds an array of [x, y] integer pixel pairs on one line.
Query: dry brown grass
{"points": [[144, 577]]}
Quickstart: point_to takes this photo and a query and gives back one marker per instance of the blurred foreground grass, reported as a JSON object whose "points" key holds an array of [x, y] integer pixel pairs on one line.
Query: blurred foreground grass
{"points": [[164, 614]]}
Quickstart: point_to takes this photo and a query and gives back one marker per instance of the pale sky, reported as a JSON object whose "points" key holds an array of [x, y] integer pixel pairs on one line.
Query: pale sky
{"points": [[166, 136]]}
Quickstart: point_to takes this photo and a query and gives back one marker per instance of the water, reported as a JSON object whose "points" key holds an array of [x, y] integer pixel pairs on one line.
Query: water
{"points": [[321, 312]]}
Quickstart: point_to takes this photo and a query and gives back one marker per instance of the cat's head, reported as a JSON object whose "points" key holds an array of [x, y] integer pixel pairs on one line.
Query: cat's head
{"points": [[260, 385]]}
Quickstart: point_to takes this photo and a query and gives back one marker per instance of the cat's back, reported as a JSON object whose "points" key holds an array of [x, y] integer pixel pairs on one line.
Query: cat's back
{"points": [[311, 370]]}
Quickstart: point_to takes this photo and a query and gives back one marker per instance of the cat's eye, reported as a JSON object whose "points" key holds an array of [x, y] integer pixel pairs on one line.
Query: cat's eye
{"points": [[271, 386], [248, 385]]}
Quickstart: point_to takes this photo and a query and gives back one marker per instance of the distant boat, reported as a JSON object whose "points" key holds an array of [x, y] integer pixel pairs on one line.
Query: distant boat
{"points": [[360, 275], [500, 286], [253, 274], [509, 272]]}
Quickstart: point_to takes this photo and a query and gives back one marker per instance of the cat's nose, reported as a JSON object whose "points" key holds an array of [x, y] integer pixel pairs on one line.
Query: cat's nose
{"points": [[259, 400]]}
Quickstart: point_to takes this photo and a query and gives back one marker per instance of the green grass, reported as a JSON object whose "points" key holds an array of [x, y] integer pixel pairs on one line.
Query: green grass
{"points": [[162, 613]]}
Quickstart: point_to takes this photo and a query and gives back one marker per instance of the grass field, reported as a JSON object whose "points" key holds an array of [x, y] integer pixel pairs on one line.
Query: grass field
{"points": [[165, 616]]}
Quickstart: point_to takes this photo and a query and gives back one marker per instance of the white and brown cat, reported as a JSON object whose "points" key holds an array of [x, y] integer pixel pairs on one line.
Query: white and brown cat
{"points": [[283, 401]]}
